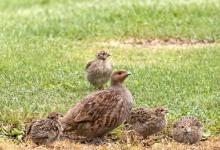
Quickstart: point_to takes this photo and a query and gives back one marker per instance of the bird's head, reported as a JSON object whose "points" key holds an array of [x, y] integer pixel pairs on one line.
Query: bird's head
{"points": [[161, 111], [185, 128], [190, 124], [103, 55], [54, 115], [118, 77]]}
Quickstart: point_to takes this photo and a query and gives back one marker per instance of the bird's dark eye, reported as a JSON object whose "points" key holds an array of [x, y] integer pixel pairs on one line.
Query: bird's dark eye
{"points": [[119, 73]]}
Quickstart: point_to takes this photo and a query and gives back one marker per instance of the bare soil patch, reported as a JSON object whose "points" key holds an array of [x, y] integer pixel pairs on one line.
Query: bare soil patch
{"points": [[213, 143], [152, 43]]}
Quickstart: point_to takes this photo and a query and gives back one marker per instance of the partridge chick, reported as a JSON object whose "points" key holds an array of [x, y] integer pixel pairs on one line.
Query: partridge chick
{"points": [[98, 71], [102, 111], [45, 131], [147, 121], [187, 130]]}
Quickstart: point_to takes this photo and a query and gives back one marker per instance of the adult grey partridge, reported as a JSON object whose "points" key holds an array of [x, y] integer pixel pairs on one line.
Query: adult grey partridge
{"points": [[102, 111], [99, 70], [147, 121], [187, 130], [45, 131]]}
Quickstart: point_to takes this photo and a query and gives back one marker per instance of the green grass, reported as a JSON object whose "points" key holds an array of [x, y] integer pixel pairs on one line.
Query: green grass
{"points": [[106, 19], [44, 46]]}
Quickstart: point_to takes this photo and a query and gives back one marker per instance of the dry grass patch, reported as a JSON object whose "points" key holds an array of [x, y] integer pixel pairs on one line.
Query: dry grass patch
{"points": [[159, 43], [212, 143]]}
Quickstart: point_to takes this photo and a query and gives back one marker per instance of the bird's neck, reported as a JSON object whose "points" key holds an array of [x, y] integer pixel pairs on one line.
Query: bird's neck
{"points": [[54, 119], [101, 59], [115, 85]]}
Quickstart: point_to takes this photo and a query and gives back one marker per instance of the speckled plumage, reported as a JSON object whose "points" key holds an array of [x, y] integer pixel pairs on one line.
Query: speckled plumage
{"points": [[45, 131], [187, 130], [147, 121], [101, 111], [98, 71]]}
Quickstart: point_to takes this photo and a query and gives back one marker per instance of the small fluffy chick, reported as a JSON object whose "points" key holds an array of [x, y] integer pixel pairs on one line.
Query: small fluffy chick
{"points": [[102, 111], [147, 121], [187, 130], [98, 71], [45, 131]]}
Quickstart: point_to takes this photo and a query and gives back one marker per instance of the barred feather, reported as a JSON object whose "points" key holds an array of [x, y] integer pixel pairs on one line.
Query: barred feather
{"points": [[187, 130], [146, 121], [44, 131], [98, 71], [99, 112]]}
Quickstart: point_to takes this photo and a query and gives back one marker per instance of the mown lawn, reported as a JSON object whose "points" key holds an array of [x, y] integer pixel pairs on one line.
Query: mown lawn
{"points": [[45, 44], [86, 19]]}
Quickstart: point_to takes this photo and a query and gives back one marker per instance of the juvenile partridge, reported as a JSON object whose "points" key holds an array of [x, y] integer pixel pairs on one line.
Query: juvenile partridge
{"points": [[102, 111], [45, 131], [187, 130], [98, 71], [147, 121]]}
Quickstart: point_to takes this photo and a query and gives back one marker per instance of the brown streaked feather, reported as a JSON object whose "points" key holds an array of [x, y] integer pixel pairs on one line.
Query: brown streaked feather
{"points": [[44, 131], [187, 129], [98, 71], [102, 111], [145, 114], [95, 105], [146, 121], [193, 121], [45, 128], [89, 64], [28, 128]]}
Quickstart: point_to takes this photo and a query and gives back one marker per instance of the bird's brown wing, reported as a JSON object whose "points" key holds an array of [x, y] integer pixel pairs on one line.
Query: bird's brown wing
{"points": [[144, 115], [44, 128], [97, 104], [89, 64], [28, 128]]}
